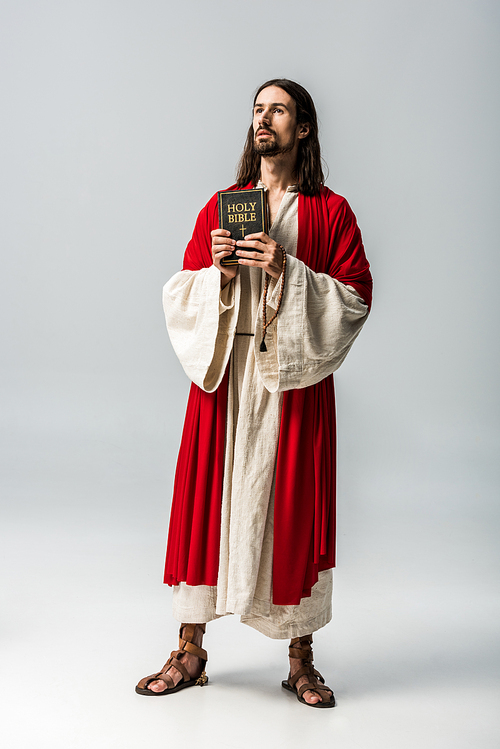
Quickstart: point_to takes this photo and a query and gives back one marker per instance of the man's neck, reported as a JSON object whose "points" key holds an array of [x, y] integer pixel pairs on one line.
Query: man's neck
{"points": [[277, 173]]}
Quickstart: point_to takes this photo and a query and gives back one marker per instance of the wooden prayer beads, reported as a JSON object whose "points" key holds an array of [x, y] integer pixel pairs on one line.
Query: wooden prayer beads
{"points": [[266, 324]]}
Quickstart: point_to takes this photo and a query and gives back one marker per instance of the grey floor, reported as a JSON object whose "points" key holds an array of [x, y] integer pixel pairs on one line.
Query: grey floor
{"points": [[411, 652]]}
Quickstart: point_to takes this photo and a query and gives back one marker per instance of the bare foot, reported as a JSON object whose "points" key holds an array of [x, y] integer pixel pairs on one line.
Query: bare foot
{"points": [[191, 662], [310, 696]]}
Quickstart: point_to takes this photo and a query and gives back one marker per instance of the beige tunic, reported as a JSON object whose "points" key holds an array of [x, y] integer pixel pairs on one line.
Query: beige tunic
{"points": [[317, 324]]}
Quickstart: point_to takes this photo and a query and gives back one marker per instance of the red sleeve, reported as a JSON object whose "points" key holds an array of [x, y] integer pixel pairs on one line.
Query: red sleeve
{"points": [[348, 263], [330, 241], [199, 250]]}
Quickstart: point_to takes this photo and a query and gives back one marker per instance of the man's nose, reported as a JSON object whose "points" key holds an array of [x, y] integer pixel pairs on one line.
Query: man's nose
{"points": [[264, 118]]}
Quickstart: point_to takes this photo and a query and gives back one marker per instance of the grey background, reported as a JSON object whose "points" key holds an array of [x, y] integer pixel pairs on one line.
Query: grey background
{"points": [[119, 121]]}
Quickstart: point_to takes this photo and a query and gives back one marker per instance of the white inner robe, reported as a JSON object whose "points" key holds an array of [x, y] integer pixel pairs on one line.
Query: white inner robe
{"points": [[317, 324]]}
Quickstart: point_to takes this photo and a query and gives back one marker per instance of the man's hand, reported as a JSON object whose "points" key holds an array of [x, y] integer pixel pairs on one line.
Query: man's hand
{"points": [[260, 251], [222, 246]]}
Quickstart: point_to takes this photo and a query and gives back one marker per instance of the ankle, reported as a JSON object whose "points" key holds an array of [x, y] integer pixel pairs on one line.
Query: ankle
{"points": [[194, 634]]}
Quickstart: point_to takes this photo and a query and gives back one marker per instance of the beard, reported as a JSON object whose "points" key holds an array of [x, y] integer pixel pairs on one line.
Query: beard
{"points": [[271, 147]]}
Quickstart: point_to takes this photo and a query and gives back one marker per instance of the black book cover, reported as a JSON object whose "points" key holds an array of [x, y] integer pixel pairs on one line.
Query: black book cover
{"points": [[242, 212]]}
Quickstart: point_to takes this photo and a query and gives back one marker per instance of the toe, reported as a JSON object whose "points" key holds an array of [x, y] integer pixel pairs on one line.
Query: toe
{"points": [[157, 686], [311, 697]]}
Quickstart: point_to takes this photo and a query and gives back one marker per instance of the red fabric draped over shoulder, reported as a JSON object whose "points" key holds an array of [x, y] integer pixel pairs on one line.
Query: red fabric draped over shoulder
{"points": [[329, 241]]}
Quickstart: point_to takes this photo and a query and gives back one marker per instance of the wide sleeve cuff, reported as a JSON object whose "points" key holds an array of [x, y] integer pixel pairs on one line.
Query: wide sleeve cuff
{"points": [[200, 331], [317, 324]]}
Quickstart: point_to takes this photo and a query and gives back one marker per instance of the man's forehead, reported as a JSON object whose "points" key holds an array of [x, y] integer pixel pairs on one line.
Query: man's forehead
{"points": [[271, 104], [274, 96]]}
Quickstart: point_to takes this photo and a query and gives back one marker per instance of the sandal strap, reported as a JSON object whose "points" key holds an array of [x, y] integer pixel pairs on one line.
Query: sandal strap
{"points": [[314, 688], [146, 680], [186, 634], [305, 655], [165, 678], [160, 676], [187, 631], [173, 661], [318, 675], [303, 671], [190, 647], [300, 647]]}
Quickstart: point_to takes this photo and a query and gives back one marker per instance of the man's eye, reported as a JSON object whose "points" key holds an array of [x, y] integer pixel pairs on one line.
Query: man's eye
{"points": [[278, 109]]}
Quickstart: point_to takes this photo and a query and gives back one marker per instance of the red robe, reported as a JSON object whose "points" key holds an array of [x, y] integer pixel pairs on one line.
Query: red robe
{"points": [[329, 241]]}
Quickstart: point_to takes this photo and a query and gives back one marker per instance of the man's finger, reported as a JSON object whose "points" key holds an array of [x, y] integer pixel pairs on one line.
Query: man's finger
{"points": [[220, 233], [241, 243], [260, 235], [246, 254], [223, 240]]}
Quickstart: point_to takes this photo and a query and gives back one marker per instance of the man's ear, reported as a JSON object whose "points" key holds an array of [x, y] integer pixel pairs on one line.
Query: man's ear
{"points": [[304, 130]]}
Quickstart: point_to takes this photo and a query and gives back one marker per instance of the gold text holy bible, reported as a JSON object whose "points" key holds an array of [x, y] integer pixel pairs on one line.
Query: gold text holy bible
{"points": [[242, 212]]}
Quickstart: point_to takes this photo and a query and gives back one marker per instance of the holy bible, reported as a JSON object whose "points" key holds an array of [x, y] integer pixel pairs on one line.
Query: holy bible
{"points": [[242, 212]]}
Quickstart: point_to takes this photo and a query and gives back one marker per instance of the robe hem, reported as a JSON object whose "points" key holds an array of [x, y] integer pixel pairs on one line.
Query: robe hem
{"points": [[260, 623], [288, 629]]}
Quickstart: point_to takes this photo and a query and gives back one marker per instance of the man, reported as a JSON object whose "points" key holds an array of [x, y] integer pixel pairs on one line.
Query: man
{"points": [[252, 528]]}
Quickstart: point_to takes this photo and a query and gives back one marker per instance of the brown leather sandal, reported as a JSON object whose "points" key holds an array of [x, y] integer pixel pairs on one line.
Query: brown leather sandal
{"points": [[186, 645], [304, 651]]}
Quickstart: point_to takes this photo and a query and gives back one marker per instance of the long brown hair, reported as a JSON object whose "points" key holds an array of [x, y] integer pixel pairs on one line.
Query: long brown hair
{"points": [[310, 177]]}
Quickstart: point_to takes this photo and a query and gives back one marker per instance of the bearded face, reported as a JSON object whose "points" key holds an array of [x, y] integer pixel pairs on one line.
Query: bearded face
{"points": [[271, 145], [275, 126]]}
